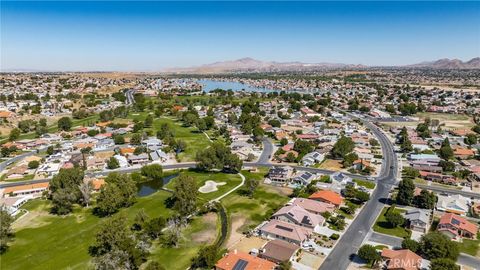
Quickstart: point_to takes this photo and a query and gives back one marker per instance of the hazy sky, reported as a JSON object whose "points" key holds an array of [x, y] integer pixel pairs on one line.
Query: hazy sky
{"points": [[149, 36]]}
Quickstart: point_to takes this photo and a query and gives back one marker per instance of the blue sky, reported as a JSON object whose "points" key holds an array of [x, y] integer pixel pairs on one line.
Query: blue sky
{"points": [[150, 36]]}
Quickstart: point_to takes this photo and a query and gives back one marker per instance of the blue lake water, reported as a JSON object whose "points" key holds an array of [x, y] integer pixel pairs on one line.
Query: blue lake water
{"points": [[209, 85]]}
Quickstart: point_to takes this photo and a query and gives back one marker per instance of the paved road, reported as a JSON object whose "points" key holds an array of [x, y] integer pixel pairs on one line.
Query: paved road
{"points": [[389, 240], [396, 242], [468, 194], [129, 95], [14, 159], [267, 151], [352, 239]]}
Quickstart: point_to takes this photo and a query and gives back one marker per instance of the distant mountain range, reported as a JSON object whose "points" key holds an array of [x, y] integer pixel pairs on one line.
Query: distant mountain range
{"points": [[446, 63], [252, 65]]}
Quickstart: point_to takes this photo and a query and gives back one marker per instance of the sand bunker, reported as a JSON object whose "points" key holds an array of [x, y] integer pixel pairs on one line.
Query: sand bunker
{"points": [[210, 186]]}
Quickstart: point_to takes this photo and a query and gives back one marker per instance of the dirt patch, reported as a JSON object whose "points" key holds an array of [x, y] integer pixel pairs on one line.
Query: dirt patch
{"points": [[33, 219], [330, 164], [280, 190], [235, 232], [311, 260], [209, 231], [246, 244]]}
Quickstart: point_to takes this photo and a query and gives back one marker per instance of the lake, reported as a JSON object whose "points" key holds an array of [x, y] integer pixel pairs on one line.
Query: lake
{"points": [[150, 187], [209, 85]]}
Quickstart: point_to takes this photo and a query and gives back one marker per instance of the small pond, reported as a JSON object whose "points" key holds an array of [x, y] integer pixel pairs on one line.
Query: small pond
{"points": [[150, 187]]}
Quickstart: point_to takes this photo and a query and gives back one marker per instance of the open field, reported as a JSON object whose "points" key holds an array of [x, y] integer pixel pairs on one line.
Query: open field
{"points": [[330, 164], [382, 226]]}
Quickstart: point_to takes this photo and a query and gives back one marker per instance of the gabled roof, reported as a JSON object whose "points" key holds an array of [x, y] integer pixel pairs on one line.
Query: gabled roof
{"points": [[402, 259]]}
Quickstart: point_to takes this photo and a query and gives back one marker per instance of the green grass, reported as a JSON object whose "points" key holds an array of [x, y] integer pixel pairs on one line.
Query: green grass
{"points": [[365, 183], [265, 201], [54, 242], [382, 226], [180, 257], [470, 247], [195, 140], [231, 180]]}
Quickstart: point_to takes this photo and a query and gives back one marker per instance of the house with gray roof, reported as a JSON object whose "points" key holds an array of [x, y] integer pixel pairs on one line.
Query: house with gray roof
{"points": [[418, 219]]}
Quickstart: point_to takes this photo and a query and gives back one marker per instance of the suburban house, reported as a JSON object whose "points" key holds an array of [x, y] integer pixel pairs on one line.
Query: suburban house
{"points": [[327, 196], [455, 226], [122, 161], [280, 175], [236, 260], [159, 155], [276, 229], [13, 204], [304, 178], [312, 158], [35, 189], [278, 251], [312, 206], [463, 153], [417, 219], [456, 204], [341, 178], [299, 216], [438, 177], [138, 159], [404, 259]]}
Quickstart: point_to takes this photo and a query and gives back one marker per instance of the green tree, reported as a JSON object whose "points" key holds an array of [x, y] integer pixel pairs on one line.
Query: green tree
{"points": [[446, 151], [206, 258], [136, 139], [443, 264], [406, 189], [425, 199], [153, 172], [406, 145], [113, 163], [50, 150], [114, 246], [283, 141], [153, 228], [410, 244], [394, 218], [251, 184], [368, 253], [64, 123], [343, 147], [33, 164], [6, 232], [65, 190], [185, 192], [119, 139], [153, 265], [285, 265], [470, 139], [14, 134], [119, 191], [435, 245], [148, 121], [349, 159]]}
